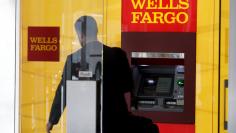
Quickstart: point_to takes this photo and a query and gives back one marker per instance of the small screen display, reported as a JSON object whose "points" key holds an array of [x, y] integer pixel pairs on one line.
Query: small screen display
{"points": [[156, 86], [149, 87]]}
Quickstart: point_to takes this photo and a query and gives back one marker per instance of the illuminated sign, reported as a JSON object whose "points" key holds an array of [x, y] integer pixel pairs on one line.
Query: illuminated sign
{"points": [[43, 43], [159, 15]]}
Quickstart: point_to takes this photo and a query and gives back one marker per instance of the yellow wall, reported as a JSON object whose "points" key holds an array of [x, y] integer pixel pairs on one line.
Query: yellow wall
{"points": [[39, 80], [208, 52]]}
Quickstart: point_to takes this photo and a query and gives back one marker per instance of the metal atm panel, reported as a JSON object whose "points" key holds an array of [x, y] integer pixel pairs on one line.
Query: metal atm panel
{"points": [[158, 87]]}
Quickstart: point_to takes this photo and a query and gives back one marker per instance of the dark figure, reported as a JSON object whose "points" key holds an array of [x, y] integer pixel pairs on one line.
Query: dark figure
{"points": [[117, 82]]}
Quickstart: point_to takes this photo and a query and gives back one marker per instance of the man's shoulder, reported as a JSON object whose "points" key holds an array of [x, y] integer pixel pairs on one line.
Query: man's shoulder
{"points": [[114, 50]]}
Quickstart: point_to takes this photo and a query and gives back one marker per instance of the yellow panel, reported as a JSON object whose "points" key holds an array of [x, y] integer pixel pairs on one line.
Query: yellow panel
{"points": [[113, 14], [39, 80], [224, 63], [207, 66]]}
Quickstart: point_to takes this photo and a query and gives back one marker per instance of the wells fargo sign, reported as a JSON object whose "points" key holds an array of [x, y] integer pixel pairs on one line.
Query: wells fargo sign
{"points": [[43, 43], [159, 15]]}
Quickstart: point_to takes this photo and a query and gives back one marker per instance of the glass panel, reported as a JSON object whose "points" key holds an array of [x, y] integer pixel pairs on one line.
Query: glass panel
{"points": [[57, 45], [224, 66]]}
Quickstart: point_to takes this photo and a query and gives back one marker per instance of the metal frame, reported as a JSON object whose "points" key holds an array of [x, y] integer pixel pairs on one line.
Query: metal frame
{"points": [[157, 55], [232, 70], [17, 67]]}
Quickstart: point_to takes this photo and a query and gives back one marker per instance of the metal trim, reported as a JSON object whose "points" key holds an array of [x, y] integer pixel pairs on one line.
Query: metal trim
{"points": [[157, 55], [17, 67], [232, 70]]}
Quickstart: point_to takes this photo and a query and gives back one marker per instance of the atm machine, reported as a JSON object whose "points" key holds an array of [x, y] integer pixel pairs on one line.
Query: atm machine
{"points": [[164, 70]]}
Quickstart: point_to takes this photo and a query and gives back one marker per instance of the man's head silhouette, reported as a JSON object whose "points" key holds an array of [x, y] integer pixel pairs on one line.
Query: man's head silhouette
{"points": [[86, 28]]}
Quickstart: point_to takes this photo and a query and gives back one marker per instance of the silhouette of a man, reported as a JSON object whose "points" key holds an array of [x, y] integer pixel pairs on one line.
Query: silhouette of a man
{"points": [[117, 81]]}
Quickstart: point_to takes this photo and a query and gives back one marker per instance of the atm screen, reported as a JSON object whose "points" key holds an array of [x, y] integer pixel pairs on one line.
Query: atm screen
{"points": [[156, 86], [149, 87]]}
